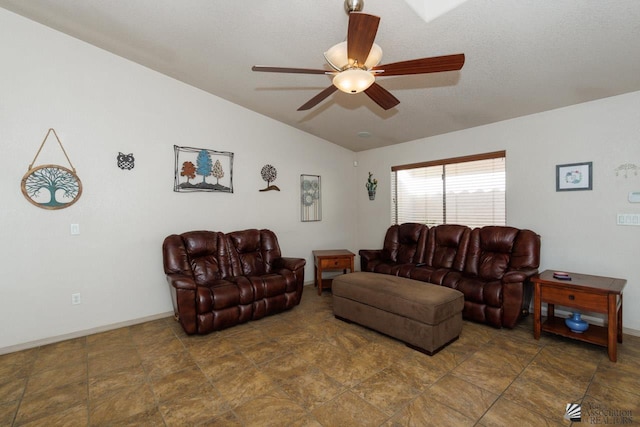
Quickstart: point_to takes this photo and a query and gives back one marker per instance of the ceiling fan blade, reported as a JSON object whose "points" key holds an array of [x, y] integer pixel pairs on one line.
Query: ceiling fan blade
{"points": [[288, 70], [318, 98], [381, 96], [423, 65], [360, 36]]}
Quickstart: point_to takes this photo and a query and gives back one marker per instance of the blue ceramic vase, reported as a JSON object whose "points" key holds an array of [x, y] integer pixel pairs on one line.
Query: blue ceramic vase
{"points": [[576, 324]]}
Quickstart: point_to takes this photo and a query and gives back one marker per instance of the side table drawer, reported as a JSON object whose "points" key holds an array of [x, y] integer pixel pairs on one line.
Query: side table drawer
{"points": [[575, 298], [335, 263]]}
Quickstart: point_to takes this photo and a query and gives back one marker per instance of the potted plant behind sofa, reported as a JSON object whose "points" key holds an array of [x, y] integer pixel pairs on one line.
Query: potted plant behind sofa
{"points": [[371, 185]]}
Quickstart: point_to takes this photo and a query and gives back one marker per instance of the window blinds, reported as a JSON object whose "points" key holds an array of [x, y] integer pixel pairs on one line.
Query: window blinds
{"points": [[469, 191]]}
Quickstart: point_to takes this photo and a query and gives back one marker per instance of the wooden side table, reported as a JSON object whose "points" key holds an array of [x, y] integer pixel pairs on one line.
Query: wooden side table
{"points": [[597, 294], [333, 259]]}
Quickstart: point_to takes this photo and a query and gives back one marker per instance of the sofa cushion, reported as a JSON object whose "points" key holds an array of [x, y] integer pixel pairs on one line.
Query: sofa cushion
{"points": [[405, 243], [246, 253], [490, 251], [204, 249], [481, 291], [447, 245], [253, 252]]}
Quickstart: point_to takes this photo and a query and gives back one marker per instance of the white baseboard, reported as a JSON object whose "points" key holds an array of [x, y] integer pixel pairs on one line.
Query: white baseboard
{"points": [[83, 333]]}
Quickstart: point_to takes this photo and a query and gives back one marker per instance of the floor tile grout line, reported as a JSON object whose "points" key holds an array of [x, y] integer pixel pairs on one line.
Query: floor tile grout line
{"points": [[26, 384], [501, 395]]}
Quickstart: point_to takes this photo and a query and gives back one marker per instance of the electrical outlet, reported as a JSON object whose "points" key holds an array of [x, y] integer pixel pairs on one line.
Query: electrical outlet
{"points": [[75, 229], [75, 299]]}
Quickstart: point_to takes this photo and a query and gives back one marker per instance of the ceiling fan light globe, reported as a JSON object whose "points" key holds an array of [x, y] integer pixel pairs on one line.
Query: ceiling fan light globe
{"points": [[353, 81], [337, 57], [374, 58]]}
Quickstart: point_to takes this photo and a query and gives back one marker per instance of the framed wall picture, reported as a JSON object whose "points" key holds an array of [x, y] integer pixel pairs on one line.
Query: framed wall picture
{"points": [[574, 176], [200, 169], [310, 198]]}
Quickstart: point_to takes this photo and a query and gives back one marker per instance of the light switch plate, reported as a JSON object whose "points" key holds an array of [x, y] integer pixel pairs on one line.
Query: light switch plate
{"points": [[75, 229], [628, 219]]}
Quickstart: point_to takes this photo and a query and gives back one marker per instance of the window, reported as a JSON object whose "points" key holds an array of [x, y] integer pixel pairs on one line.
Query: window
{"points": [[464, 190]]}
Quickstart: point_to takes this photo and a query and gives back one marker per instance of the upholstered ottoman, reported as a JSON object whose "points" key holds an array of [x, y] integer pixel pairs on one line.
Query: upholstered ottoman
{"points": [[424, 316]]}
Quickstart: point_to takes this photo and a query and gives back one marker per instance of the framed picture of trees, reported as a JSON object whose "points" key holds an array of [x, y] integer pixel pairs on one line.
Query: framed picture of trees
{"points": [[199, 169]]}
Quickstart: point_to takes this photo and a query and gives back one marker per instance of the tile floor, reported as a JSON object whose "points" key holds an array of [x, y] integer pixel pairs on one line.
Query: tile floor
{"points": [[305, 368]]}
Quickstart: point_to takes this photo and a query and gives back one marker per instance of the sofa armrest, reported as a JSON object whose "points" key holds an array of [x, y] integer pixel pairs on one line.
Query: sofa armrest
{"points": [[181, 281], [292, 264], [516, 276], [183, 296], [521, 278], [368, 258], [296, 266]]}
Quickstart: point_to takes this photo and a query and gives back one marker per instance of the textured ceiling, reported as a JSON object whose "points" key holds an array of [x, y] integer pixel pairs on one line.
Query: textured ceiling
{"points": [[522, 57]]}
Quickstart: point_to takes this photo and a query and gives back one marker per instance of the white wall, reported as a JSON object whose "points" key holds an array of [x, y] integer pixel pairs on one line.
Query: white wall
{"points": [[578, 229], [101, 104]]}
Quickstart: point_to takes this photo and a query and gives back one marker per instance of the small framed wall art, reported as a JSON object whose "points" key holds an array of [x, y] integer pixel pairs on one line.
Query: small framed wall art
{"points": [[310, 198], [574, 176]]}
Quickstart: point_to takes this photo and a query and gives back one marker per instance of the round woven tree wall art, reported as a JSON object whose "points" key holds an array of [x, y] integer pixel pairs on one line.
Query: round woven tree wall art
{"points": [[51, 186]]}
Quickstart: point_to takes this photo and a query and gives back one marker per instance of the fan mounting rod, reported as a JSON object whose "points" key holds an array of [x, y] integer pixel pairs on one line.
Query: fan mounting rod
{"points": [[353, 5]]}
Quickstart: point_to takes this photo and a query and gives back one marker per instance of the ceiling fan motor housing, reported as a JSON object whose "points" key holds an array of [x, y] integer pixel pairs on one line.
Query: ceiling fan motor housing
{"points": [[353, 5]]}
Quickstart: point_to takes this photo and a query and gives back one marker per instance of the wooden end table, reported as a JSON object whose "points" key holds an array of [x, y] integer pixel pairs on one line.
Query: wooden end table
{"points": [[333, 259], [583, 292]]}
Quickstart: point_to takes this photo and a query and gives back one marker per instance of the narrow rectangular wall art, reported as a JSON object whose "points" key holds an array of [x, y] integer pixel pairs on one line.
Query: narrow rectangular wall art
{"points": [[310, 198], [199, 169]]}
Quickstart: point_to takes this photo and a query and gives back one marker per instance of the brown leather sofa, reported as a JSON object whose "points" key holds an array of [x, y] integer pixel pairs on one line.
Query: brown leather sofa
{"points": [[219, 280], [491, 265]]}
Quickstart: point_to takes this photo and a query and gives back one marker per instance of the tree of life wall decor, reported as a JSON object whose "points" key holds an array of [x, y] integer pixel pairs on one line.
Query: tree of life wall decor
{"points": [[199, 169], [51, 186]]}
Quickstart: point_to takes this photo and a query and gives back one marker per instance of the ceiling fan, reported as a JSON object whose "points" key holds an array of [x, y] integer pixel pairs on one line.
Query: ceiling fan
{"points": [[355, 62]]}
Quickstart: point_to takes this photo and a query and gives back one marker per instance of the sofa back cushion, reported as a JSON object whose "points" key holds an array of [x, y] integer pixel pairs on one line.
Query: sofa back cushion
{"points": [[447, 246], [252, 252], [199, 254], [490, 251], [526, 251], [405, 243]]}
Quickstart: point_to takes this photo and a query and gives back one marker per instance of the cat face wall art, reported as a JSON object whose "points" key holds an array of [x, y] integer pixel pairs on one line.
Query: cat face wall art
{"points": [[126, 161]]}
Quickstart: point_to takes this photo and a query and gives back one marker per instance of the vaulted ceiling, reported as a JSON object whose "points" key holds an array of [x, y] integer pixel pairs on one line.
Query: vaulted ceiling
{"points": [[522, 56]]}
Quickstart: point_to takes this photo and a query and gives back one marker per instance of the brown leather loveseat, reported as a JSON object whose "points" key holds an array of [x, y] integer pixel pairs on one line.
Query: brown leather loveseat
{"points": [[219, 280], [491, 265]]}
